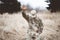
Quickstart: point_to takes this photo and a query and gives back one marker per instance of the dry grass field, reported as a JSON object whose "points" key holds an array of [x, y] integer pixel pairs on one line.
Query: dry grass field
{"points": [[15, 27], [51, 30]]}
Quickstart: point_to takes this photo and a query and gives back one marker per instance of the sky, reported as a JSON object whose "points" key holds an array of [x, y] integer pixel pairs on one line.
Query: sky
{"points": [[35, 3]]}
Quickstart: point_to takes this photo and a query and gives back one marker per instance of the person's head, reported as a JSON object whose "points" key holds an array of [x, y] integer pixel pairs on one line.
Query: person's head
{"points": [[23, 7], [9, 6]]}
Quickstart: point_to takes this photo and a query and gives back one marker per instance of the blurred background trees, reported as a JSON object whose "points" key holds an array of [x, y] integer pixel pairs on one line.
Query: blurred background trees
{"points": [[54, 5], [9, 6]]}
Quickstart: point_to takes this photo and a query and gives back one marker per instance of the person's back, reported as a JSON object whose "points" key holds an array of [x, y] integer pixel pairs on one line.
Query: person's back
{"points": [[35, 24]]}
